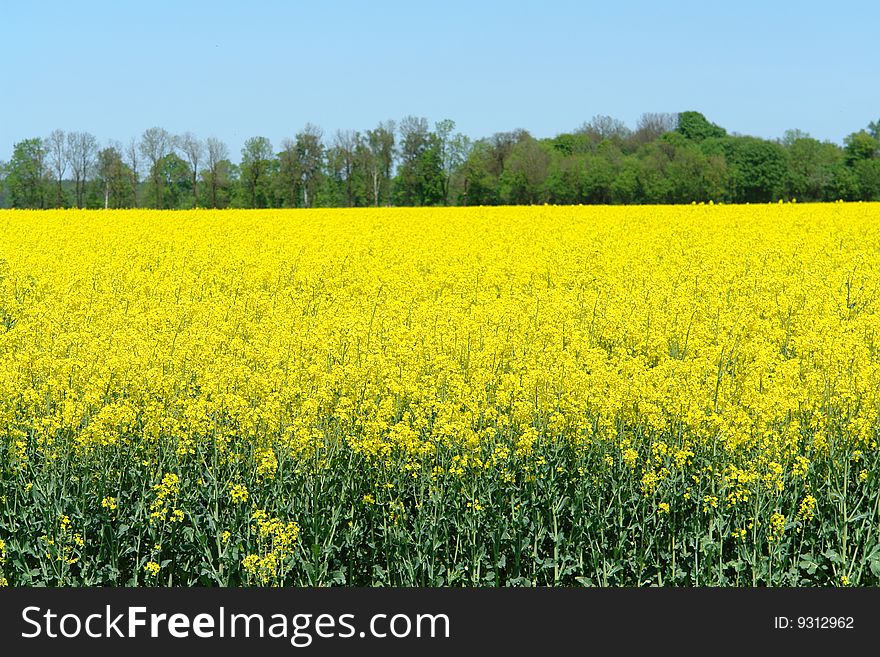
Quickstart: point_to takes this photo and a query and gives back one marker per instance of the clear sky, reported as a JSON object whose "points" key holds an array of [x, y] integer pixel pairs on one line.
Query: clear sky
{"points": [[239, 69]]}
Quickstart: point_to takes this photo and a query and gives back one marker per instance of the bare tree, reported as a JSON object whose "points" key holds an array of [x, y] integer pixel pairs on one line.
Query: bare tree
{"points": [[602, 127], [217, 152], [345, 144], [194, 150], [82, 148], [381, 158], [310, 158], [501, 145], [652, 124], [155, 144], [111, 173], [56, 149], [133, 160], [453, 151]]}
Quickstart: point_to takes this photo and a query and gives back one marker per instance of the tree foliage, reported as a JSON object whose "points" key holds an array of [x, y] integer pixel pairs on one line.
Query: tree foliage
{"points": [[667, 158]]}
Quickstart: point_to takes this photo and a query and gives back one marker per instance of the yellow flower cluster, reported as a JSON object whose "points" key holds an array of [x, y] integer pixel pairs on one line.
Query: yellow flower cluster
{"points": [[238, 493], [807, 509], [277, 540], [776, 527], [163, 507]]}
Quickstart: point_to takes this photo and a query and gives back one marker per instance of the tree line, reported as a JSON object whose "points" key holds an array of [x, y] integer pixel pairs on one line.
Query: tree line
{"points": [[666, 158]]}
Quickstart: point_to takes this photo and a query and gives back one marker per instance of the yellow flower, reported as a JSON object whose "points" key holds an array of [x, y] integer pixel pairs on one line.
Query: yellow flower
{"points": [[277, 541], [267, 462], [800, 467], [807, 509], [239, 493], [152, 568], [663, 508], [776, 527]]}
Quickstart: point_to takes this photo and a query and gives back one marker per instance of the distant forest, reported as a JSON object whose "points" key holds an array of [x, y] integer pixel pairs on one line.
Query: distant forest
{"points": [[666, 158]]}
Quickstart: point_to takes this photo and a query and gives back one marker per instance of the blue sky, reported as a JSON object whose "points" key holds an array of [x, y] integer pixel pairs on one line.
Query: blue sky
{"points": [[239, 69]]}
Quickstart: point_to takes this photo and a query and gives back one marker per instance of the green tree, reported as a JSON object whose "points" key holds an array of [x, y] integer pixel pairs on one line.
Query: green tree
{"points": [[479, 186], [572, 143], [860, 146], [420, 175], [625, 187], [256, 167], [697, 127], [758, 168], [114, 179], [812, 168], [483, 168], [601, 169], [673, 169], [177, 178], [176, 183], [26, 175], [867, 175], [526, 172], [378, 161], [565, 176]]}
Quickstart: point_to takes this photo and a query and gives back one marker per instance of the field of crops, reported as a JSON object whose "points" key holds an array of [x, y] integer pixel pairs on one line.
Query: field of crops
{"points": [[441, 397]]}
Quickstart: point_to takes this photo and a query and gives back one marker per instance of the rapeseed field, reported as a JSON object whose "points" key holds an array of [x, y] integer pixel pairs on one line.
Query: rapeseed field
{"points": [[513, 396]]}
